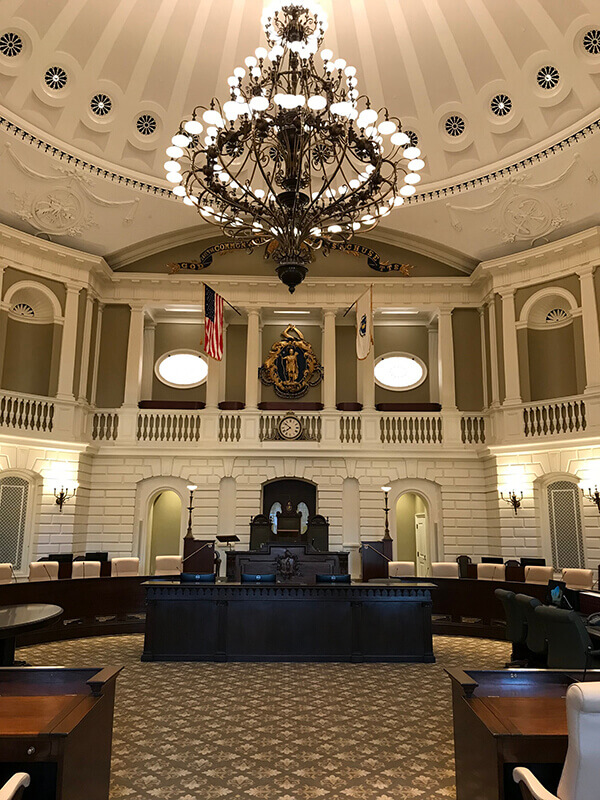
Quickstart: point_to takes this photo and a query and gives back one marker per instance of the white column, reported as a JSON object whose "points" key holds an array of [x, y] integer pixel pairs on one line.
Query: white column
{"points": [[366, 381], [494, 381], [85, 347], [223, 365], [252, 358], [329, 360], [135, 352], [213, 381], [484, 371], [148, 360], [69, 343], [591, 336], [434, 373], [511, 349], [446, 360], [96, 361]]}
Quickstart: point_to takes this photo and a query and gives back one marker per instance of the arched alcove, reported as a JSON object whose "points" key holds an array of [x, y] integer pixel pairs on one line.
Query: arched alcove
{"points": [[147, 492], [424, 499], [563, 538], [17, 506]]}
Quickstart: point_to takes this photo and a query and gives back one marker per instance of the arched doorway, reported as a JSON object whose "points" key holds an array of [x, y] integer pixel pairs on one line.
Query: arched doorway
{"points": [[164, 526], [412, 532]]}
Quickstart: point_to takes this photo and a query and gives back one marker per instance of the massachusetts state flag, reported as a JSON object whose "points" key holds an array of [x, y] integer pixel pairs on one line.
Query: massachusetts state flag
{"points": [[213, 324], [364, 324]]}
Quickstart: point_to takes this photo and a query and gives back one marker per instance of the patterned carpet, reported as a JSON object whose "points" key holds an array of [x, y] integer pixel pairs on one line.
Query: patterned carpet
{"points": [[279, 731]]}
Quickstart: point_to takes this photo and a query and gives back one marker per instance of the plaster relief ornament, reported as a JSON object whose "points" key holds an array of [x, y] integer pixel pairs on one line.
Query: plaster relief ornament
{"points": [[57, 211], [291, 367]]}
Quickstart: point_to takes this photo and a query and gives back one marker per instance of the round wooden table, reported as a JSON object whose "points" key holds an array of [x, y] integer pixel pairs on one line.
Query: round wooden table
{"points": [[15, 620]]}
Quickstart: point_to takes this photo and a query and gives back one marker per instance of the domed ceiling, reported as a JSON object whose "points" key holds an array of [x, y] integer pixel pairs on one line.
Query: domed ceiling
{"points": [[502, 96]]}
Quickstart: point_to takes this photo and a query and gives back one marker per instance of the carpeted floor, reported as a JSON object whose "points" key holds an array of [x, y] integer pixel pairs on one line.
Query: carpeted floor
{"points": [[279, 731]]}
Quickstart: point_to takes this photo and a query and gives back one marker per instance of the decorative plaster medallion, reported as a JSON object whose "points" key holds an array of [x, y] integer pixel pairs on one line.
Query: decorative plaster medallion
{"points": [[56, 211], [527, 217]]}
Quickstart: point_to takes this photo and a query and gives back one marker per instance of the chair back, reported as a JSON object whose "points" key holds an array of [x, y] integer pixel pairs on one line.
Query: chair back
{"points": [[249, 578], [445, 569], [15, 786], [124, 567], [568, 641], [401, 569], [491, 572], [6, 573], [536, 634], [43, 571], [578, 578], [516, 623], [86, 569], [512, 562], [463, 562], [168, 565], [539, 575], [332, 578], [580, 777]]}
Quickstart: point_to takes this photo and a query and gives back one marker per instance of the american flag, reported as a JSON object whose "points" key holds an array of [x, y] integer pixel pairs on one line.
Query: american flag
{"points": [[213, 324]]}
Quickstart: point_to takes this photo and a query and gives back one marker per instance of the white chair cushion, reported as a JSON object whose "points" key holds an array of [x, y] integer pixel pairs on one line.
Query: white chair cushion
{"points": [[43, 571], [444, 569], [401, 569], [124, 567], [491, 572], [86, 569], [578, 578], [539, 575], [168, 565]]}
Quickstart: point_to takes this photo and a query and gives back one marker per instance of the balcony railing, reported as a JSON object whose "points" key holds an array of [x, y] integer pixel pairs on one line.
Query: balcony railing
{"points": [[159, 426], [550, 418], [411, 429], [27, 413]]}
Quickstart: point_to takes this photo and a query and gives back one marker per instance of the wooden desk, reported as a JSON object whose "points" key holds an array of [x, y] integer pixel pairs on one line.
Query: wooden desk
{"points": [[509, 718], [271, 622], [22, 619], [56, 724]]}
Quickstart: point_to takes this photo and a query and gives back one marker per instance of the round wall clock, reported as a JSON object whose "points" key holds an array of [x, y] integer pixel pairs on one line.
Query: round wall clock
{"points": [[290, 428]]}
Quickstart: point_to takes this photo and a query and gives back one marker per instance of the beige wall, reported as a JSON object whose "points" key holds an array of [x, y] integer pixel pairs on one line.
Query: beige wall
{"points": [[12, 276], [166, 526], [468, 367], [552, 369], [407, 506], [112, 362], [412, 339], [174, 336], [235, 363], [272, 334], [346, 363], [28, 357]]}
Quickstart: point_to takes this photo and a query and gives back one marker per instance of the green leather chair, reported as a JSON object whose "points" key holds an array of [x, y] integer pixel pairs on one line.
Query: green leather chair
{"points": [[569, 644]]}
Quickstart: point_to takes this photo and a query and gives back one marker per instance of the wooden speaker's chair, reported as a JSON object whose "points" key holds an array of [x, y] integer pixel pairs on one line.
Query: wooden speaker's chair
{"points": [[540, 575], [580, 777], [401, 569], [580, 579], [43, 571], [86, 569], [6, 573], [124, 567], [445, 569], [168, 565], [15, 786], [491, 572]]}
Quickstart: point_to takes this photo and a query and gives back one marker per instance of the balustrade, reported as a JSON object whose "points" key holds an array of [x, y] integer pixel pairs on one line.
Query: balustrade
{"points": [[548, 419], [472, 430], [230, 427], [412, 429], [156, 426], [105, 426], [26, 413], [350, 429]]}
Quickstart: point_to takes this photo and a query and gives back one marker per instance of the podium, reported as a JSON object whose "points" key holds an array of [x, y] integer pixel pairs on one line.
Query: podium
{"points": [[198, 555], [375, 557]]}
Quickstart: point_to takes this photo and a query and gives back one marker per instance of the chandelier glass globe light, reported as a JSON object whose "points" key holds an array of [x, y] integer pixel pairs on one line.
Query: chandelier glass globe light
{"points": [[296, 158]]}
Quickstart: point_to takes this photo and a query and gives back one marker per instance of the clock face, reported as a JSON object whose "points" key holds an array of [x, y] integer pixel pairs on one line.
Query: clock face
{"points": [[290, 428]]}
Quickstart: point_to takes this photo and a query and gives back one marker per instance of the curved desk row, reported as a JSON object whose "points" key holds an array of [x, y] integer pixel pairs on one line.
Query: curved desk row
{"points": [[107, 606]]}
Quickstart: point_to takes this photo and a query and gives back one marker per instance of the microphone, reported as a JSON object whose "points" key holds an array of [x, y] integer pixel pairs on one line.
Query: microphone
{"points": [[12, 570]]}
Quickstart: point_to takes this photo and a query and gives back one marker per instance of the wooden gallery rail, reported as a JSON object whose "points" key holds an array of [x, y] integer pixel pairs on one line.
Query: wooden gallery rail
{"points": [[107, 606]]}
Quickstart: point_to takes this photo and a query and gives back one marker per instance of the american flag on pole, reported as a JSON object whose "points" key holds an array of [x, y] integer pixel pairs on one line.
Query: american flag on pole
{"points": [[213, 323]]}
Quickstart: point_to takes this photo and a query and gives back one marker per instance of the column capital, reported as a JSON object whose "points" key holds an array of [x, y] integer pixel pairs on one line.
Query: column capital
{"points": [[586, 269], [73, 288], [330, 312], [252, 312], [481, 310], [505, 292], [137, 307], [445, 311]]}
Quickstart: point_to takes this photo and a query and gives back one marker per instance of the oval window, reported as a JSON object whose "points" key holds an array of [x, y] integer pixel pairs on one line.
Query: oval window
{"points": [[399, 371], [181, 369]]}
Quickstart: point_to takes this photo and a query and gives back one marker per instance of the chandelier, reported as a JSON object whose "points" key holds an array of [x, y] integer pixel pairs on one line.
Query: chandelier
{"points": [[295, 159]]}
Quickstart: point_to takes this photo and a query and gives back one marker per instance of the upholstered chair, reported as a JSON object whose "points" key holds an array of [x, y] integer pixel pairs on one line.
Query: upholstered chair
{"points": [[491, 572], [124, 567], [43, 571], [168, 565], [580, 777], [248, 577], [6, 573], [569, 643], [444, 569], [539, 575], [86, 569], [401, 569], [536, 634], [15, 786], [578, 578]]}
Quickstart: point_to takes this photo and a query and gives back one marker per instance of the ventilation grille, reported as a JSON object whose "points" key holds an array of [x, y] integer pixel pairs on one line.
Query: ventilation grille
{"points": [[11, 44], [146, 124], [55, 78], [557, 315], [548, 77], [101, 104], [455, 125], [13, 513], [591, 42], [501, 105], [414, 139], [23, 310], [566, 535]]}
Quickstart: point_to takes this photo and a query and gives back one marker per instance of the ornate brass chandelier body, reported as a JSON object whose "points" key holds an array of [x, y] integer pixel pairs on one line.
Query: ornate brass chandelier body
{"points": [[296, 156]]}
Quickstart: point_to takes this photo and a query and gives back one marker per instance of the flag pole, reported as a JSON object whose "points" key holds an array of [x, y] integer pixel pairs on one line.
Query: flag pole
{"points": [[237, 311], [356, 301]]}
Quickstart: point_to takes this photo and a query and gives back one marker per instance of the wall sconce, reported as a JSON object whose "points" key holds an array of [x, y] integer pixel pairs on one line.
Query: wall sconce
{"points": [[593, 496], [63, 496], [512, 500], [192, 487], [386, 490]]}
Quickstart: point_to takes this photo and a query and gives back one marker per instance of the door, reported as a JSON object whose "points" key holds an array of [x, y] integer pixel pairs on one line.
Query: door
{"points": [[421, 544]]}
